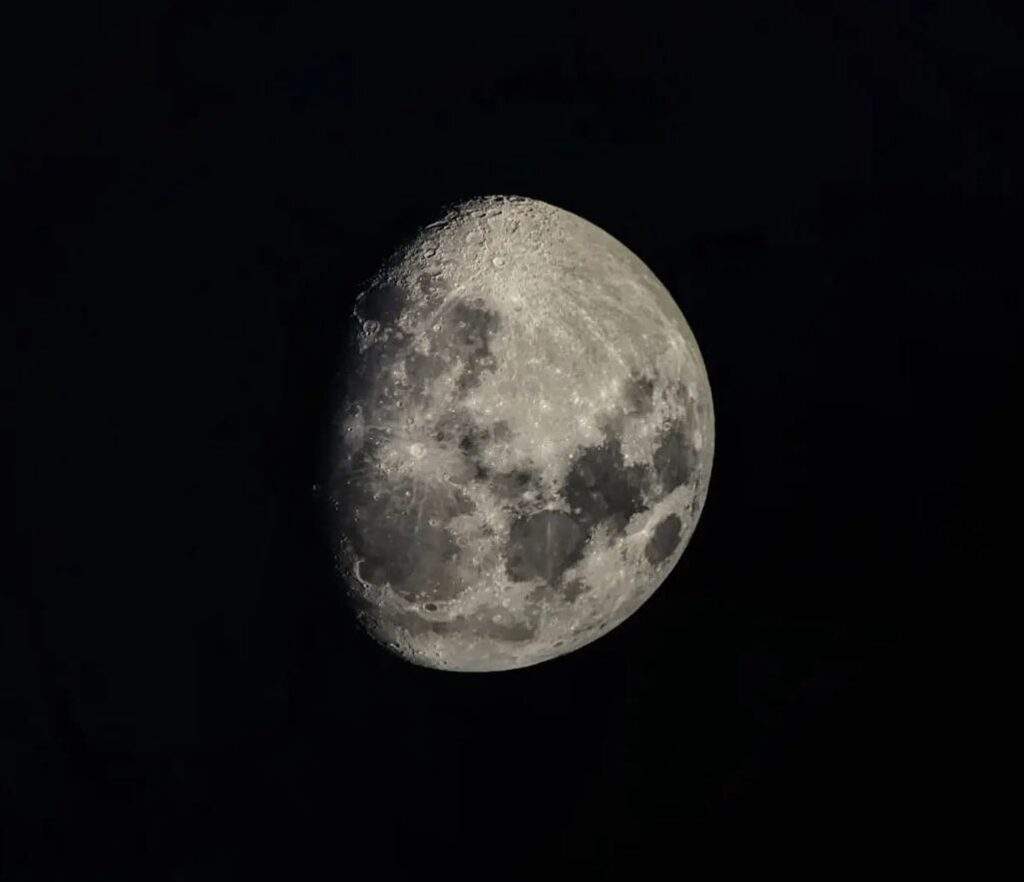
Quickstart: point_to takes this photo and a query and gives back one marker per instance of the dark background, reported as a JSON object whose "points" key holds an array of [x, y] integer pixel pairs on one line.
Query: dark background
{"points": [[831, 196]]}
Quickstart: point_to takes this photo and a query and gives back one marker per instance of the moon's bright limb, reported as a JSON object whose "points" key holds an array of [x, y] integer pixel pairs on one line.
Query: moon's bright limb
{"points": [[524, 444]]}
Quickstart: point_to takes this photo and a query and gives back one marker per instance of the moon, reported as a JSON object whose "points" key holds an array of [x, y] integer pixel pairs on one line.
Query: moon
{"points": [[522, 443]]}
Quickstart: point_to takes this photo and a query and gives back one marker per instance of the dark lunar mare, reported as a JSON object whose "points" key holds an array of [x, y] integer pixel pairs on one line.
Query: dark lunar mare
{"points": [[512, 485], [638, 395], [465, 334], [382, 303], [544, 545], [665, 539], [397, 530], [600, 487], [675, 458]]}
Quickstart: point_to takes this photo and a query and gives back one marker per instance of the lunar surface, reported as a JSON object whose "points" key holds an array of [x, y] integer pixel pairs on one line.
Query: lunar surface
{"points": [[523, 443]]}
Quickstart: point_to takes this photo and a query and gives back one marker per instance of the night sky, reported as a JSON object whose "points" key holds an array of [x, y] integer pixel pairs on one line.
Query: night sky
{"points": [[832, 198]]}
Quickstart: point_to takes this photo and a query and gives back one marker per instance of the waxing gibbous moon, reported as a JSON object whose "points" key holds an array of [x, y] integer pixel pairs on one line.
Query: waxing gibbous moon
{"points": [[523, 443]]}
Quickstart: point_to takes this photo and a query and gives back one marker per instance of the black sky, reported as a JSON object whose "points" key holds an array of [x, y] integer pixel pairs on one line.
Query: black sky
{"points": [[832, 196]]}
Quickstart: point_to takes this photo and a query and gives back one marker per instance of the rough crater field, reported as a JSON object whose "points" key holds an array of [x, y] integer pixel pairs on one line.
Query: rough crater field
{"points": [[524, 441]]}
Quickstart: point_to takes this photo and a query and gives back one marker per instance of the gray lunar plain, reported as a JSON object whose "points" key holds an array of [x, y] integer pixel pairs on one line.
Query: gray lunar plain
{"points": [[524, 441]]}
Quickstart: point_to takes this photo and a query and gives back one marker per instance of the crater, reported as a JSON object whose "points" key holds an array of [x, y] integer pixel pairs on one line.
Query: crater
{"points": [[383, 303]]}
